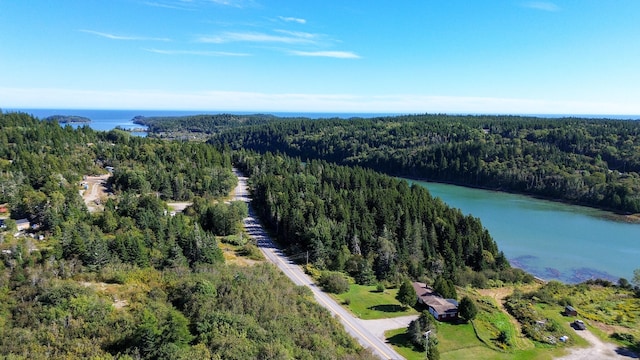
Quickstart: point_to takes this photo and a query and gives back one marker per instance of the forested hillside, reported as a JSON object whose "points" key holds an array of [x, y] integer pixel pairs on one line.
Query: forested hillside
{"points": [[372, 226], [591, 162], [133, 281], [173, 126]]}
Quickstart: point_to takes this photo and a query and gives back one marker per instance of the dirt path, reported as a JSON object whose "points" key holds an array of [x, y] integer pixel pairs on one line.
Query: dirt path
{"points": [[179, 206], [597, 350]]}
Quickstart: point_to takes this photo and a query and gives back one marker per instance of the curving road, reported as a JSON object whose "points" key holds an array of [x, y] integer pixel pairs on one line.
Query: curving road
{"points": [[354, 326]]}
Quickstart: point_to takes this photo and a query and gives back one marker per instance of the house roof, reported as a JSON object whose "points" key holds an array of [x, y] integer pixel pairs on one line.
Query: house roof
{"points": [[433, 300]]}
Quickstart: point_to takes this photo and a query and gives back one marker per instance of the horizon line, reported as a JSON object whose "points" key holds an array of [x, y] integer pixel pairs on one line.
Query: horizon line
{"points": [[272, 112]]}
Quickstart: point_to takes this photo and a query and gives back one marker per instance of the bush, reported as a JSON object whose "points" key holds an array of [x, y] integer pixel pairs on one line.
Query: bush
{"points": [[503, 338], [252, 252], [629, 338], [334, 282], [312, 271], [237, 240], [565, 301]]}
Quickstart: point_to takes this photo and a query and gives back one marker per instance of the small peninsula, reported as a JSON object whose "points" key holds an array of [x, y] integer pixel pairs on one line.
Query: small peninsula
{"points": [[68, 119]]}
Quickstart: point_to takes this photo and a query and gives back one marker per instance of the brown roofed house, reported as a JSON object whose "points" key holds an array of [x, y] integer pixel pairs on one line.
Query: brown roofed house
{"points": [[442, 309]]}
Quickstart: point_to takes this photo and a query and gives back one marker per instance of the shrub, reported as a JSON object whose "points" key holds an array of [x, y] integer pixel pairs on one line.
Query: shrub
{"points": [[334, 282], [503, 338], [565, 301], [252, 252]]}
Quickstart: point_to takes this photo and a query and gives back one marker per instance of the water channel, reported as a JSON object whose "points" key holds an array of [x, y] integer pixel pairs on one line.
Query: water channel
{"points": [[548, 239]]}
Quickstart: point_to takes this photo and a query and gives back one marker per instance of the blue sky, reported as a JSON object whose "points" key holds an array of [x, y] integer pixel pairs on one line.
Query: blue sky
{"points": [[498, 56]]}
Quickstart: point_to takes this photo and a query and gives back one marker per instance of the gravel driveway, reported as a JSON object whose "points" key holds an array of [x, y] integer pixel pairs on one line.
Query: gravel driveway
{"points": [[378, 327], [597, 350]]}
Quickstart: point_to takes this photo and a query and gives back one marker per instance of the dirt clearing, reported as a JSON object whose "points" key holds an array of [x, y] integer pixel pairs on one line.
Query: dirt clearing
{"points": [[95, 191], [598, 349]]}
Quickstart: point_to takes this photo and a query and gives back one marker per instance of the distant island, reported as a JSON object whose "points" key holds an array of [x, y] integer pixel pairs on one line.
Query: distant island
{"points": [[68, 119]]}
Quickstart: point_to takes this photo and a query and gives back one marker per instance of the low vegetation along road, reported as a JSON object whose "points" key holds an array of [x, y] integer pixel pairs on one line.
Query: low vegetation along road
{"points": [[273, 254]]}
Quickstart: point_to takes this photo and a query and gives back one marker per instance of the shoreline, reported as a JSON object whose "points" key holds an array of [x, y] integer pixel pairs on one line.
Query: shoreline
{"points": [[609, 214]]}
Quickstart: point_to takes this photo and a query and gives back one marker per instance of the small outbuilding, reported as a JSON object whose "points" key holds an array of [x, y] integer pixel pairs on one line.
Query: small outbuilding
{"points": [[570, 311], [23, 224]]}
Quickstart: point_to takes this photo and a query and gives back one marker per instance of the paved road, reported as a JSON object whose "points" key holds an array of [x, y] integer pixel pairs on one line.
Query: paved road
{"points": [[354, 326]]}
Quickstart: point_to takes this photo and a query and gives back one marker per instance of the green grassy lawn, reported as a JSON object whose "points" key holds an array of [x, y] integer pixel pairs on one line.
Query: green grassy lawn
{"points": [[367, 303], [460, 342], [400, 341], [455, 342], [490, 321]]}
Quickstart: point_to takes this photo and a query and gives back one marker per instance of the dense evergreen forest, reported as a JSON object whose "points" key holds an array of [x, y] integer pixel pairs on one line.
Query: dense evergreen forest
{"points": [[131, 280], [170, 126], [591, 162], [372, 226]]}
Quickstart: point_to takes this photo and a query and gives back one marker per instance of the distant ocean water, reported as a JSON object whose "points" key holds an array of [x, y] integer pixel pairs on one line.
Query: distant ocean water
{"points": [[105, 120]]}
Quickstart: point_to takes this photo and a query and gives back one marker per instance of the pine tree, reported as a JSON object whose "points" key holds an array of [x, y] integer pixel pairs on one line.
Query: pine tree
{"points": [[406, 294], [467, 308]]}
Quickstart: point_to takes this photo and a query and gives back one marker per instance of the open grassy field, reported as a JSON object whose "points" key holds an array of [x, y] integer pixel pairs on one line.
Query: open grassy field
{"points": [[480, 339], [461, 342], [611, 312], [367, 303]]}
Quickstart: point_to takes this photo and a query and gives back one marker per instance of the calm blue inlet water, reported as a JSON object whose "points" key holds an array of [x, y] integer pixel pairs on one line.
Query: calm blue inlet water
{"points": [[548, 239]]}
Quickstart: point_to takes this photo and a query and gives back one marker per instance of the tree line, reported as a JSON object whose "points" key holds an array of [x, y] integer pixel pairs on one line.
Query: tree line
{"points": [[134, 281], [369, 225], [595, 162], [207, 124]]}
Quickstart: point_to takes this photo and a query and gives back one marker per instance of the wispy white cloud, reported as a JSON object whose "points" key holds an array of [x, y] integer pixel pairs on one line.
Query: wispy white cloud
{"points": [[331, 54], [169, 5], [123, 37], [255, 37], [292, 19], [194, 4], [298, 34], [233, 3], [195, 52], [542, 5]]}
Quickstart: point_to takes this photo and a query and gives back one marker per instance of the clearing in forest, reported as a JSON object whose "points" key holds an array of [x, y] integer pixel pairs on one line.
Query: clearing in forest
{"points": [[94, 191]]}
